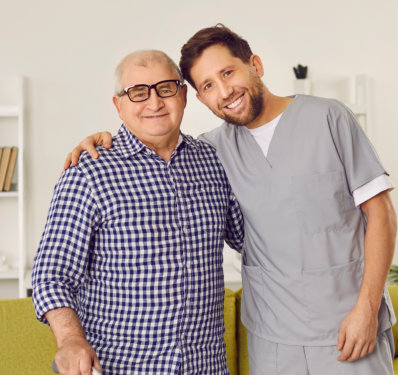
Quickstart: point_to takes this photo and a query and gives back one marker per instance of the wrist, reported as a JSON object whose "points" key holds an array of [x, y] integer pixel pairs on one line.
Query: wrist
{"points": [[369, 303], [75, 338]]}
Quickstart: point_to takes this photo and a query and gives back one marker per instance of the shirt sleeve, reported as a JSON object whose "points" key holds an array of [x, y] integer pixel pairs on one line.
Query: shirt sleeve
{"points": [[234, 230], [356, 153], [63, 254], [372, 188]]}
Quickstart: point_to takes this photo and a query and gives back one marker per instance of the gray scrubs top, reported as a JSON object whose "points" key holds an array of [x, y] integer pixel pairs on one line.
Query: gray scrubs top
{"points": [[304, 237]]}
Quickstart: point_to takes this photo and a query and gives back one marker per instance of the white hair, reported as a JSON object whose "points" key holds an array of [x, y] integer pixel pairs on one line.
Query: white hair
{"points": [[143, 58]]}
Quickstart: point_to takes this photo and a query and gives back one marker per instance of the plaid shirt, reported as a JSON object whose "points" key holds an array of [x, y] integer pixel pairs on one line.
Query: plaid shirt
{"points": [[134, 245]]}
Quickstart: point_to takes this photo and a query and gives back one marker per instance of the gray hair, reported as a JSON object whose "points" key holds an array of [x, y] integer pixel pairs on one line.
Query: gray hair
{"points": [[143, 58]]}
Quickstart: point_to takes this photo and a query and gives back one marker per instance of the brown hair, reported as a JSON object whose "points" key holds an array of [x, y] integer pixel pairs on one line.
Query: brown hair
{"points": [[207, 37]]}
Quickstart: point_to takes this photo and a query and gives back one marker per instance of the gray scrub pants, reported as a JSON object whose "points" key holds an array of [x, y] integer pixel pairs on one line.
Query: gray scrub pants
{"points": [[269, 358]]}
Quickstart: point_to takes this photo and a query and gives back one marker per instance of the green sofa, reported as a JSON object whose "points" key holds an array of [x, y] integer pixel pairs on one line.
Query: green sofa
{"points": [[28, 347]]}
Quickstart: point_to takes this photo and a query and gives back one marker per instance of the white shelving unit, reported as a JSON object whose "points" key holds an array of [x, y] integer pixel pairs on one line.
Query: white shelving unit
{"points": [[360, 105], [12, 212]]}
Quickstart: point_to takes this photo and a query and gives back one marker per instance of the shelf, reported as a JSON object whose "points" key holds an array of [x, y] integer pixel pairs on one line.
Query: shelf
{"points": [[9, 111], [12, 202], [11, 274], [8, 194], [28, 280]]}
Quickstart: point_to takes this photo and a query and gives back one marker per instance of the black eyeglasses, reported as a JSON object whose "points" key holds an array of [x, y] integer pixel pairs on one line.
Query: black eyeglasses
{"points": [[164, 89]]}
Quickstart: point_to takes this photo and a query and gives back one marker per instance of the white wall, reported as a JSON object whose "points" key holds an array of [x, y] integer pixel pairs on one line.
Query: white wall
{"points": [[68, 51]]}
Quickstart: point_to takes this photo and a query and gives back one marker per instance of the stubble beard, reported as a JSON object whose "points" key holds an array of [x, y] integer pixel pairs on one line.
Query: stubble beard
{"points": [[256, 105]]}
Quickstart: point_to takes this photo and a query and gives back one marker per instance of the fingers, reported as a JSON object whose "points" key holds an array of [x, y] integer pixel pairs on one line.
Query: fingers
{"points": [[346, 351], [85, 366], [67, 161], [90, 149], [97, 365], [76, 357], [88, 144], [355, 349], [365, 351], [106, 139], [341, 339]]}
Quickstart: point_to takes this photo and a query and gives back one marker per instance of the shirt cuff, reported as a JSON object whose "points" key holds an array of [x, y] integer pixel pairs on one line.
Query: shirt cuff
{"points": [[372, 188], [50, 296]]}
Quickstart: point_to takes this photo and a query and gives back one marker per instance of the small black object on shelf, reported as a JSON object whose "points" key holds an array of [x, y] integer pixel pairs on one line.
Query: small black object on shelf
{"points": [[300, 71]]}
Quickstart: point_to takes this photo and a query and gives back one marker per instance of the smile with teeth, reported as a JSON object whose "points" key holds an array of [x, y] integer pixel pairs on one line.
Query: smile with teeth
{"points": [[235, 103]]}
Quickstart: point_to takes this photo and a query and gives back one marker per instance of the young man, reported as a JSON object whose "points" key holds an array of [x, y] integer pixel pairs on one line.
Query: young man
{"points": [[129, 267], [319, 224]]}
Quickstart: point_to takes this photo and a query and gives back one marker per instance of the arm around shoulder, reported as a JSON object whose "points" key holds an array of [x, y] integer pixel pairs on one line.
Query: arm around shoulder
{"points": [[88, 144]]}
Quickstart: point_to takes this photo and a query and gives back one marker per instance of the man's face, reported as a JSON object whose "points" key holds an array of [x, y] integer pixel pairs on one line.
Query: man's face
{"points": [[154, 118], [231, 89]]}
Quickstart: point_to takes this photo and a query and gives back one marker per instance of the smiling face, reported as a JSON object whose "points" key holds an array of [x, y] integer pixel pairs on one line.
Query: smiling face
{"points": [[231, 89], [155, 119]]}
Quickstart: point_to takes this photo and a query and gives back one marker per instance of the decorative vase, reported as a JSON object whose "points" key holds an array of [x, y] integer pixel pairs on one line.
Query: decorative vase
{"points": [[302, 86]]}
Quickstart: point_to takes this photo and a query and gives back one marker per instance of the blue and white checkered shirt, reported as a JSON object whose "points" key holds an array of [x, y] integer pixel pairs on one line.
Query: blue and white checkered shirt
{"points": [[134, 245]]}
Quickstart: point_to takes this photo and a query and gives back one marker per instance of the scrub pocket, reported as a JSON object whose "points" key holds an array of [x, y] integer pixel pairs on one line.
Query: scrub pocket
{"points": [[330, 293], [321, 201], [253, 297]]}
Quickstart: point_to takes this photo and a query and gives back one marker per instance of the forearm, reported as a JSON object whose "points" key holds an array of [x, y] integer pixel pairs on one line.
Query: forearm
{"points": [[65, 324], [358, 331], [379, 249], [75, 355]]}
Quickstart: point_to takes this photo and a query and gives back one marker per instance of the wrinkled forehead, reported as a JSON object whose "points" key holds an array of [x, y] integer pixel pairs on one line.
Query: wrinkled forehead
{"points": [[149, 72]]}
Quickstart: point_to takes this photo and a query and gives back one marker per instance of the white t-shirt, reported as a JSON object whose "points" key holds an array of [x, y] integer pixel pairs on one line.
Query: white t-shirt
{"points": [[263, 136]]}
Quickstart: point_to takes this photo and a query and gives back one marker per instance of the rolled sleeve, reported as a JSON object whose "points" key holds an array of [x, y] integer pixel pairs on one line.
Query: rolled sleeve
{"points": [[372, 188], [234, 232], [61, 261]]}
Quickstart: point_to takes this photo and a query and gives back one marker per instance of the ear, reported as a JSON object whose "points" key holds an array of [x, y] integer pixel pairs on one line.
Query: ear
{"points": [[257, 64], [184, 89], [116, 102], [199, 97]]}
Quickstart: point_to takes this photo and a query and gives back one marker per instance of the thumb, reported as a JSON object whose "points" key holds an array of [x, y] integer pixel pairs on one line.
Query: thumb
{"points": [[97, 364], [107, 139]]}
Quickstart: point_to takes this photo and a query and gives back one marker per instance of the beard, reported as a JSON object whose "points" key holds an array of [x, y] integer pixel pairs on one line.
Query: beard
{"points": [[256, 105]]}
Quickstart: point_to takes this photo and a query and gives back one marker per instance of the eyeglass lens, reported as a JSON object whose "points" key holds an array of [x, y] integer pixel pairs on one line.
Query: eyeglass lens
{"points": [[163, 89]]}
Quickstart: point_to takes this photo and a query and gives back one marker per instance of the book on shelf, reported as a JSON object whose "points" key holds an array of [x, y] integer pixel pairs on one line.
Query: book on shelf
{"points": [[7, 166], [10, 169], [5, 158]]}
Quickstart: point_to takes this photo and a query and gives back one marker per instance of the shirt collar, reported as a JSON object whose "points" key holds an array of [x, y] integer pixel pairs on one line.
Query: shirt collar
{"points": [[129, 145]]}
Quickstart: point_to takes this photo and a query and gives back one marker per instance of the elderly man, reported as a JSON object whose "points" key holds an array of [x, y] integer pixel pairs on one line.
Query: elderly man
{"points": [[319, 224], [129, 269]]}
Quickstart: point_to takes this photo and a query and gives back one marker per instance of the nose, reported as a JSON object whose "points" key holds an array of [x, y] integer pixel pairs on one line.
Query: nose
{"points": [[225, 90], [154, 102]]}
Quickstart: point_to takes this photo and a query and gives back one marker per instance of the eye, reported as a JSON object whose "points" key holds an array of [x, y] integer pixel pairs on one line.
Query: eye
{"points": [[227, 73], [207, 86]]}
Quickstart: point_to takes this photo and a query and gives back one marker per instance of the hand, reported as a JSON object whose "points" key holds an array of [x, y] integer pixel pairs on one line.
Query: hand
{"points": [[357, 334], [76, 357], [88, 144]]}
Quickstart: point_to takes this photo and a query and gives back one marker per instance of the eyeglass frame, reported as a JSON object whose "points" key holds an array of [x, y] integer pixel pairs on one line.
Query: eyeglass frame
{"points": [[150, 87]]}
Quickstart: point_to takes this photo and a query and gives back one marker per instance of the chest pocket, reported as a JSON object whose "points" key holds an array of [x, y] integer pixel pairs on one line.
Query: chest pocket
{"points": [[206, 205], [321, 202]]}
